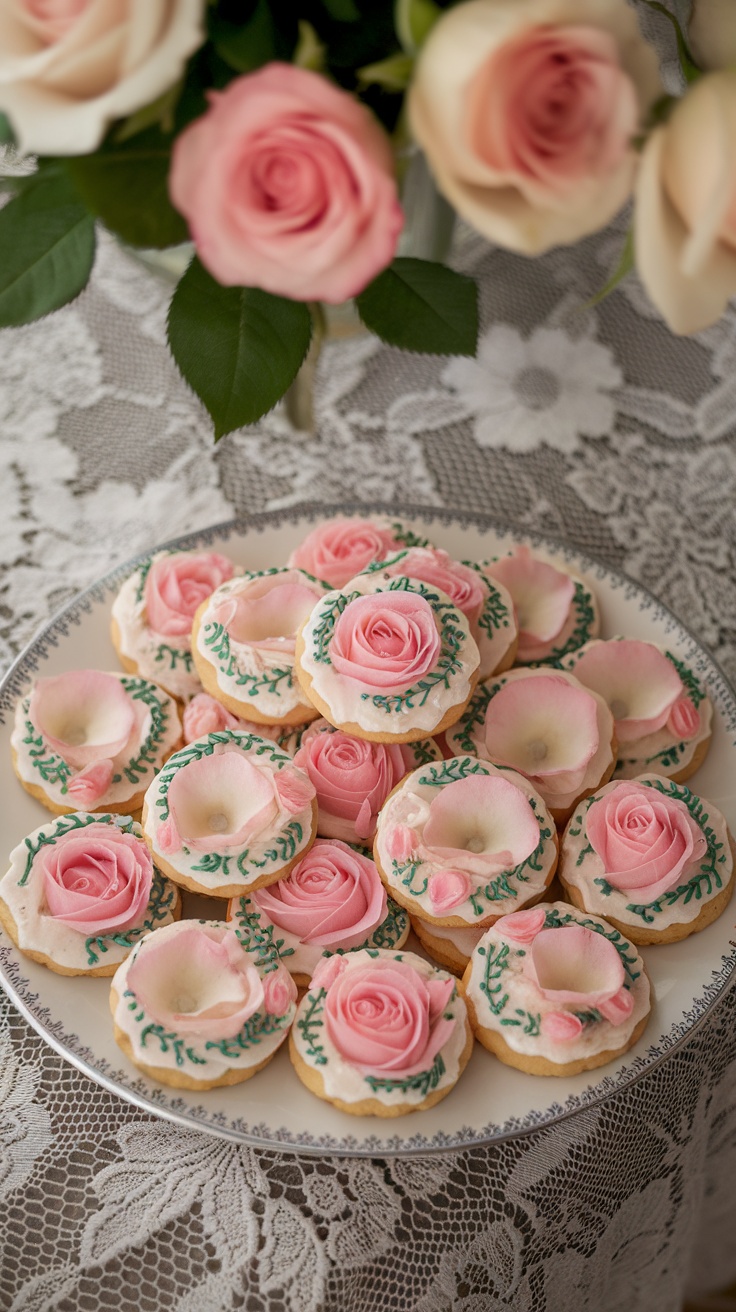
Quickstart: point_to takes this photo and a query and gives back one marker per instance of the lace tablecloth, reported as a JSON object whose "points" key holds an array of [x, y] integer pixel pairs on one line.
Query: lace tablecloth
{"points": [[594, 425]]}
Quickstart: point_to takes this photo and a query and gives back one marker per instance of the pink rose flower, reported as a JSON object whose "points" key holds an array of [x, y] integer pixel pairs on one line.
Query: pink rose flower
{"points": [[333, 897], [294, 789], [618, 1008], [527, 112], [341, 548], [168, 838], [196, 980], [326, 972], [352, 777], [645, 840], [448, 889], [287, 183], [386, 640], [463, 585], [521, 926], [279, 992], [98, 879], [204, 715], [386, 1017], [684, 719], [176, 586], [91, 783]]}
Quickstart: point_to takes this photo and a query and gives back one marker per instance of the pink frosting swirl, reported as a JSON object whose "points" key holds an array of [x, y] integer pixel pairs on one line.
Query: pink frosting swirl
{"points": [[386, 1017], [97, 879], [448, 889], [561, 1026], [645, 840], [386, 640], [332, 898], [464, 586], [341, 548], [177, 585], [684, 719], [352, 777], [196, 980], [204, 715], [521, 926]]}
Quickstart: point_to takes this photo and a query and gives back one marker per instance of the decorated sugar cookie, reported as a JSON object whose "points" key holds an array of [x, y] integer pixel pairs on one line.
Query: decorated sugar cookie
{"points": [[556, 611], [196, 1007], [338, 549], [229, 813], [546, 725], [487, 606], [243, 644], [380, 1033], [461, 843], [90, 741], [449, 947], [651, 857], [353, 777], [390, 660], [153, 613], [203, 715], [663, 715], [332, 900], [81, 891], [555, 991]]}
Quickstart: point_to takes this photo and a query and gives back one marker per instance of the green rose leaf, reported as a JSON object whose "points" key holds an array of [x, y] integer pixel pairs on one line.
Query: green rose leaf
{"points": [[6, 132], [126, 185], [238, 348], [343, 11], [248, 43], [422, 306], [47, 239]]}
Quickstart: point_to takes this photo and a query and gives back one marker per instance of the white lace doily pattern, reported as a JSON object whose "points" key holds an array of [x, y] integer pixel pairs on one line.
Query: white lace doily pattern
{"points": [[592, 424]]}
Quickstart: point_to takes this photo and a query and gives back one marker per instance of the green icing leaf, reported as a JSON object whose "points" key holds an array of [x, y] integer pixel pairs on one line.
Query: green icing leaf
{"points": [[48, 243], [422, 306]]}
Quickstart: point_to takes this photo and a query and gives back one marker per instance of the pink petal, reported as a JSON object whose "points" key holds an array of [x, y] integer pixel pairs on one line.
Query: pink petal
{"points": [[542, 726], [91, 783], [400, 843], [279, 991], [168, 838], [295, 789], [221, 801], [326, 972], [542, 596], [637, 681], [204, 715], [618, 1008], [266, 612], [483, 823], [84, 715], [341, 548], [521, 926], [574, 964], [448, 889], [684, 720], [561, 1026]]}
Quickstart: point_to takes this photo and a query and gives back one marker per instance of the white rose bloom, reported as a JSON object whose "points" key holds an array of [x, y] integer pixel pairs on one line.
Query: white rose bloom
{"points": [[685, 210], [68, 68], [712, 33]]}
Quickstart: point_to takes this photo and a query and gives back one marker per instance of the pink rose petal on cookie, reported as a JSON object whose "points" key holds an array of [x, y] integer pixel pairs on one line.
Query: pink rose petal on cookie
{"points": [[448, 889], [464, 586], [521, 926], [574, 964], [91, 783], [265, 613], [177, 584], [544, 727], [279, 991], [483, 824], [84, 715], [542, 596], [644, 839], [401, 842], [637, 681], [168, 838], [618, 1008], [295, 789], [561, 1026], [684, 720], [221, 801]]}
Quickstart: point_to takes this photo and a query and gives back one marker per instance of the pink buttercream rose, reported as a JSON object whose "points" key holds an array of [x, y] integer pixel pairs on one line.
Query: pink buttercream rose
{"points": [[645, 840], [385, 640], [386, 1017], [462, 584], [352, 777], [97, 879], [526, 113], [521, 926], [333, 897], [279, 992], [287, 183], [176, 586], [684, 719], [341, 548], [326, 972], [448, 889], [197, 981], [294, 789], [204, 715]]}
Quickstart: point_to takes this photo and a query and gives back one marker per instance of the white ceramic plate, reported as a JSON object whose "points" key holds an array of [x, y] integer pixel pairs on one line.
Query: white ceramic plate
{"points": [[491, 1101]]}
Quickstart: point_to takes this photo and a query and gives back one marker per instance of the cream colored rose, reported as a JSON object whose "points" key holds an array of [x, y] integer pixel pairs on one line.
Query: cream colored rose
{"points": [[712, 33], [69, 67], [685, 211], [526, 110]]}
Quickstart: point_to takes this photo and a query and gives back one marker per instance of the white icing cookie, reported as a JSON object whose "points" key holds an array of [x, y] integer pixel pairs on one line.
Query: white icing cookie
{"points": [[452, 948], [556, 611]]}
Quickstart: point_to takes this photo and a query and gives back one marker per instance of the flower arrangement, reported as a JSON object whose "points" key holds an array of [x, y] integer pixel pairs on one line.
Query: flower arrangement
{"points": [[274, 137]]}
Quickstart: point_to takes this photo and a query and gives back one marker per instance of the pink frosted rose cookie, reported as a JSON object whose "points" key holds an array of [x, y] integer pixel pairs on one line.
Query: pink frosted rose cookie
{"points": [[203, 715], [331, 901], [81, 891], [556, 611], [487, 607], [651, 857], [461, 843], [663, 715], [380, 1033], [353, 777], [153, 613], [340, 548], [451, 948], [89, 741], [229, 813], [387, 660], [553, 991], [196, 1007], [546, 725], [243, 644]]}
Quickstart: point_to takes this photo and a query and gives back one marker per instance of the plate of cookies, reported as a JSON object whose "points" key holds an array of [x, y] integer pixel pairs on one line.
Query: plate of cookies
{"points": [[361, 831]]}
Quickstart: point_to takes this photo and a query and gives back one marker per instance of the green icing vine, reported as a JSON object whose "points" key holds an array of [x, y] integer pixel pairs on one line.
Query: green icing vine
{"points": [[592, 1017], [391, 928], [286, 846], [258, 937], [167, 1040], [530, 1021], [143, 691], [495, 613], [553, 919], [163, 897], [197, 750], [310, 1024], [65, 825], [423, 751], [142, 576], [474, 717], [423, 1082], [406, 872], [496, 963], [692, 685], [217, 639], [325, 626], [582, 604], [408, 538], [260, 1026], [452, 771], [52, 768], [176, 656]]}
